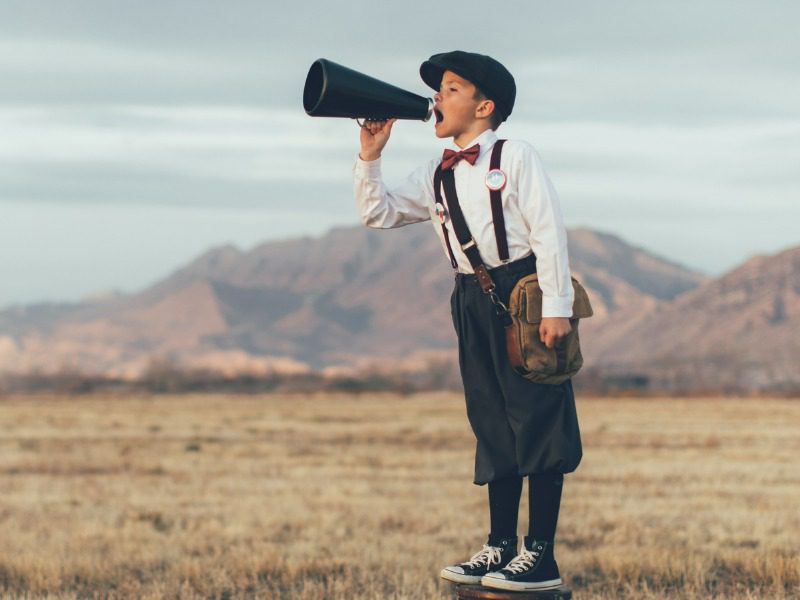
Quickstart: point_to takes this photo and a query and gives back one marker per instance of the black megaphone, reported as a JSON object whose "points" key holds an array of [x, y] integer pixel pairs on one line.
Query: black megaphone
{"points": [[332, 90]]}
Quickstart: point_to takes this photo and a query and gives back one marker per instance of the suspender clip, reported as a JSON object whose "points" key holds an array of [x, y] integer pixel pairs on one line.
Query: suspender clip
{"points": [[499, 306], [468, 245]]}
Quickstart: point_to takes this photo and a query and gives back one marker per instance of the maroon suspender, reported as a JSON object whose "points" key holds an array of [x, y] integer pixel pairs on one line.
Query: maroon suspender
{"points": [[437, 190], [464, 237], [497, 206], [496, 199]]}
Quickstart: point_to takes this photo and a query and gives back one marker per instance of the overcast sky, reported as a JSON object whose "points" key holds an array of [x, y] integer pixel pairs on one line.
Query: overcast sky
{"points": [[136, 135]]}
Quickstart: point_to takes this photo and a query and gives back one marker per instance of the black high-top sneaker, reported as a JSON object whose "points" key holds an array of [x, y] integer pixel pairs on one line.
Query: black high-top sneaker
{"points": [[534, 568], [495, 555]]}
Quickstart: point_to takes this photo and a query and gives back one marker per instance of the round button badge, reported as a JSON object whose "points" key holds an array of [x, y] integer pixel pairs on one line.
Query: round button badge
{"points": [[495, 180], [441, 212]]}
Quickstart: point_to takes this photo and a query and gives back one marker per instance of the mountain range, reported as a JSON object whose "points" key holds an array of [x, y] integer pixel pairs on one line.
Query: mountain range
{"points": [[356, 297]]}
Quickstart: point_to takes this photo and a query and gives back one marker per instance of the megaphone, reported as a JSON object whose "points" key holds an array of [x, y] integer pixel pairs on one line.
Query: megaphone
{"points": [[332, 90]]}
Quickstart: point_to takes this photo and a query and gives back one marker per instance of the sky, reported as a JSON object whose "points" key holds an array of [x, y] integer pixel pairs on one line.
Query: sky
{"points": [[137, 135]]}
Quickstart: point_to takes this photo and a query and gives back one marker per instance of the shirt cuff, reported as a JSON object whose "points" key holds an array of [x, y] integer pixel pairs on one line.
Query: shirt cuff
{"points": [[556, 306], [368, 168]]}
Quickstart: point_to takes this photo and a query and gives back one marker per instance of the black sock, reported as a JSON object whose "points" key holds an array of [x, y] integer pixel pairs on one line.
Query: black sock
{"points": [[544, 500], [504, 497]]}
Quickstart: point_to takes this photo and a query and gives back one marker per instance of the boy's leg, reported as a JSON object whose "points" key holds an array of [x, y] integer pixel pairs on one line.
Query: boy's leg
{"points": [[473, 316], [547, 438], [501, 547], [504, 495], [544, 502], [535, 567], [495, 453]]}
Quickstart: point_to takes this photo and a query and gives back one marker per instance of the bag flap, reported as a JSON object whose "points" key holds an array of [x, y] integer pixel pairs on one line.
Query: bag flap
{"points": [[530, 295], [581, 307]]}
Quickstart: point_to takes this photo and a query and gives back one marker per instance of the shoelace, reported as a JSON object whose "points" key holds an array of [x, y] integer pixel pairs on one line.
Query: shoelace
{"points": [[489, 555], [522, 562]]}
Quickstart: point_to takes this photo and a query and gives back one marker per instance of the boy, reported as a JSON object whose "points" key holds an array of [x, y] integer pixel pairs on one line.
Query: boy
{"points": [[522, 428]]}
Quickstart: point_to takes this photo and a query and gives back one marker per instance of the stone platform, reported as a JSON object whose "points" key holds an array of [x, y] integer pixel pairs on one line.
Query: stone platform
{"points": [[474, 592]]}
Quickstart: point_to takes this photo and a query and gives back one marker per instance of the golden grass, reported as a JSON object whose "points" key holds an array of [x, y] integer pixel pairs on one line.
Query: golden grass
{"points": [[340, 497]]}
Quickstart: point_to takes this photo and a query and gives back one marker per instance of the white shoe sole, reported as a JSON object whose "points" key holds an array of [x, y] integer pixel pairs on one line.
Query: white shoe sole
{"points": [[459, 577], [519, 586]]}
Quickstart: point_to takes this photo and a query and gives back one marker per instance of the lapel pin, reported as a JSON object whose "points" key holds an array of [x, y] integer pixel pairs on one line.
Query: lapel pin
{"points": [[495, 180], [441, 212]]}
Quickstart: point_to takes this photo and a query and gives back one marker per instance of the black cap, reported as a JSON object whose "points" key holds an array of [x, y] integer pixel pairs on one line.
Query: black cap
{"points": [[488, 75]]}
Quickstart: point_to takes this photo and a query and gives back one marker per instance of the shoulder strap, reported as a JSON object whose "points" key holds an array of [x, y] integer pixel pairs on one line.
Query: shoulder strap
{"points": [[465, 240], [497, 206], [437, 191]]}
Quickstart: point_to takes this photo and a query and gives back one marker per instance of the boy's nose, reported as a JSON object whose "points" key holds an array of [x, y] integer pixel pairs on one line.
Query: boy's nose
{"points": [[437, 97]]}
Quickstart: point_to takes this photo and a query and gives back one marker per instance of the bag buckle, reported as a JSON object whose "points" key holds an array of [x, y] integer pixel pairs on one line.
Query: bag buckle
{"points": [[499, 306]]}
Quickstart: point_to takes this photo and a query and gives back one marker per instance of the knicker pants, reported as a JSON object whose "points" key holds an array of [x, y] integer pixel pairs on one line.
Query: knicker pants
{"points": [[521, 427]]}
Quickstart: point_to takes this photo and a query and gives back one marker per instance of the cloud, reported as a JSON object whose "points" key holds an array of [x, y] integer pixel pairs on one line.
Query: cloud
{"points": [[56, 251], [674, 125], [645, 59]]}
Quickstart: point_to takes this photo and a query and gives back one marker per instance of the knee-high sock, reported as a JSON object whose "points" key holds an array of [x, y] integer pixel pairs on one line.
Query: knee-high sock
{"points": [[544, 501], [504, 495]]}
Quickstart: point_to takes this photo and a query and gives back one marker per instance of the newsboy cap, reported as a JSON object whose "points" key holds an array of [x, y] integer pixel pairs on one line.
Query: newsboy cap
{"points": [[488, 75]]}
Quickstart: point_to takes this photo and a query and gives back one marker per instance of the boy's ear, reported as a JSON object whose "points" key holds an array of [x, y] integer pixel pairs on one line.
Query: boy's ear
{"points": [[485, 108]]}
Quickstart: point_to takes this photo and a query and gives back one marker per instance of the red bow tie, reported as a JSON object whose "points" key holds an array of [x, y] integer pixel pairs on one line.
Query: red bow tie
{"points": [[451, 157]]}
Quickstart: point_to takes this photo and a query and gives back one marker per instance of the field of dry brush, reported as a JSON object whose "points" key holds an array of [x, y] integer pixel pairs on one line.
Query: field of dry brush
{"points": [[350, 497]]}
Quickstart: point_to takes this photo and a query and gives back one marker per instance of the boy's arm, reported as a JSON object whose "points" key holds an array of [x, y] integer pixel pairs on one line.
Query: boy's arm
{"points": [[380, 207], [548, 240]]}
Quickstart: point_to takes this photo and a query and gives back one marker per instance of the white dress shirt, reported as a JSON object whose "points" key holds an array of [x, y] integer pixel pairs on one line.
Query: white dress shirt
{"points": [[530, 207]]}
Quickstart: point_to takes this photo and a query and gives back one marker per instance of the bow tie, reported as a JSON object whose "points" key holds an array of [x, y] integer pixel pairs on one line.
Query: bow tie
{"points": [[451, 157]]}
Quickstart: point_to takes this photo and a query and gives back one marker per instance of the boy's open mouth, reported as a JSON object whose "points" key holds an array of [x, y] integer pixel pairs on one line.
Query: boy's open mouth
{"points": [[438, 114]]}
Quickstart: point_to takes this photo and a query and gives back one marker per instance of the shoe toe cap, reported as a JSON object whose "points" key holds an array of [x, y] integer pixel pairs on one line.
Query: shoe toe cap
{"points": [[456, 570], [494, 575]]}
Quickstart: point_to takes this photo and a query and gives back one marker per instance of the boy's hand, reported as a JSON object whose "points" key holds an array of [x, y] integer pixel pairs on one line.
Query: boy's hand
{"points": [[553, 329], [374, 135]]}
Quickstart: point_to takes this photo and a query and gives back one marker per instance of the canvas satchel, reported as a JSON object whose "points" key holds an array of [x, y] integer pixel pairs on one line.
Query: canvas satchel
{"points": [[528, 355]]}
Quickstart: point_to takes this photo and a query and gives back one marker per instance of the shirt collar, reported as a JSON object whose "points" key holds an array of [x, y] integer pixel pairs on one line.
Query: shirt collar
{"points": [[486, 140]]}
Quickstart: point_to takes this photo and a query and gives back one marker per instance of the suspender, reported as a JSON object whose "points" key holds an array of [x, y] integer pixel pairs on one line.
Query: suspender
{"points": [[465, 239], [497, 206], [437, 190], [467, 242], [457, 216]]}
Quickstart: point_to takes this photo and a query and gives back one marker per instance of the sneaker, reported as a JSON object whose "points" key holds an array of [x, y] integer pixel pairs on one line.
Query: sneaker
{"points": [[534, 568], [490, 558]]}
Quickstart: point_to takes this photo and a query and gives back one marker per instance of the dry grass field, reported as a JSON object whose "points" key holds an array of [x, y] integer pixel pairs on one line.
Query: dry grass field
{"points": [[342, 497]]}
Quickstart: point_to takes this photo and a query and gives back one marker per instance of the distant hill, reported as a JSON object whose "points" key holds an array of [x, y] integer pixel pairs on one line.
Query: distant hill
{"points": [[357, 295], [348, 296], [740, 331]]}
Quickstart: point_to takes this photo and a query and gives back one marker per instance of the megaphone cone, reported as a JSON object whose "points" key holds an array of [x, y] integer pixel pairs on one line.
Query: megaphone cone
{"points": [[332, 90]]}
